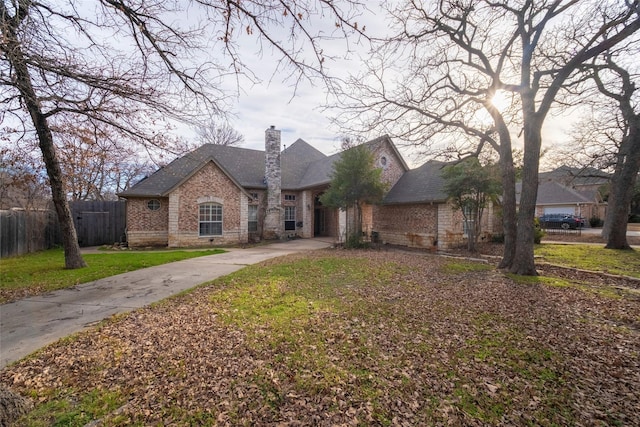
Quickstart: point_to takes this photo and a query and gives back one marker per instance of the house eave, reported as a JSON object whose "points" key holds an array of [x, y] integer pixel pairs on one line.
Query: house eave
{"points": [[416, 202], [127, 195]]}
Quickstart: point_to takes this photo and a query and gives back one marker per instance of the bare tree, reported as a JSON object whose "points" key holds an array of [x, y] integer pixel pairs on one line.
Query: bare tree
{"points": [[219, 133], [97, 163], [618, 83], [608, 137], [133, 66], [434, 83], [22, 185]]}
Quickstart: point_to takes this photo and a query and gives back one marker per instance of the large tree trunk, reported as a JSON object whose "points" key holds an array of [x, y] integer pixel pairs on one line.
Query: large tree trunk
{"points": [[509, 212], [622, 186], [72, 256], [508, 179], [607, 224], [523, 262]]}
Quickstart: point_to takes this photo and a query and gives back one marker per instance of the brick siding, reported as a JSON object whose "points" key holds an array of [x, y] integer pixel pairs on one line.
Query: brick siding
{"points": [[413, 225], [144, 226], [207, 184]]}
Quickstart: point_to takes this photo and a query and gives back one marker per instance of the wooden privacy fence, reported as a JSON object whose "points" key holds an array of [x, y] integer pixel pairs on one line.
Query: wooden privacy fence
{"points": [[96, 222], [22, 231], [99, 222]]}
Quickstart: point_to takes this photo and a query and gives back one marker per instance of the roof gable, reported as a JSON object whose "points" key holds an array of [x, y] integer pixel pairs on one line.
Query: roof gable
{"points": [[319, 172], [386, 141]]}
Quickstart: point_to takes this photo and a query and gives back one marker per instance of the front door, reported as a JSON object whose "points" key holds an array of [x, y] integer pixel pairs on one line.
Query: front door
{"points": [[319, 222]]}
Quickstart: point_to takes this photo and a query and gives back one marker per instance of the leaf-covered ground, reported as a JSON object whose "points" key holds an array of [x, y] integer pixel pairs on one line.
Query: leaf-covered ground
{"points": [[352, 338]]}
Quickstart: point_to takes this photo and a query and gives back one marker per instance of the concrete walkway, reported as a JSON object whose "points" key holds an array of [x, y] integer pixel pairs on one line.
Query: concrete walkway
{"points": [[32, 323]]}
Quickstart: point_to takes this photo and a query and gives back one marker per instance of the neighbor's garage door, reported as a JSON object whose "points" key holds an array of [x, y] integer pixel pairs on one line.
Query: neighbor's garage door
{"points": [[560, 210]]}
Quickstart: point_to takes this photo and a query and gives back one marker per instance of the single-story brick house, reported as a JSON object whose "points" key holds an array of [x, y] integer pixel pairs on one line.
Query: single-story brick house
{"points": [[225, 195], [574, 191]]}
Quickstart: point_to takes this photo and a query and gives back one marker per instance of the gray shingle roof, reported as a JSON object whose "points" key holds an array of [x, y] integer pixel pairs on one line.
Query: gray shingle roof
{"points": [[302, 166], [420, 185], [243, 165], [554, 193], [319, 172], [295, 161]]}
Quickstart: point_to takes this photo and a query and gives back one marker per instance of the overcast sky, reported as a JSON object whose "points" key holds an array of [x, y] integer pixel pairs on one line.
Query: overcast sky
{"points": [[296, 116], [296, 111], [300, 115]]}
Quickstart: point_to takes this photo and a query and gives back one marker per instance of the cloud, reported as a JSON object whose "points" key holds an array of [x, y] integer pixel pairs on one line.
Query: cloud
{"points": [[276, 100]]}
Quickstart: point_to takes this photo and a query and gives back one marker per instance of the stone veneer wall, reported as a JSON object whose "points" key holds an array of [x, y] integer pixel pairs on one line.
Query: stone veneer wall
{"points": [[307, 201], [412, 225], [209, 184], [144, 226], [274, 217], [451, 229]]}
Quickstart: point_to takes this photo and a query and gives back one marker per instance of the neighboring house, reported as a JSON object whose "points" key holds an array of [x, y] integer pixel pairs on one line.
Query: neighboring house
{"points": [[573, 191], [224, 195]]}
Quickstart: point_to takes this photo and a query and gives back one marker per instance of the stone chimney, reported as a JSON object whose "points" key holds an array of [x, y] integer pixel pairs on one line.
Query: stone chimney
{"points": [[274, 215]]}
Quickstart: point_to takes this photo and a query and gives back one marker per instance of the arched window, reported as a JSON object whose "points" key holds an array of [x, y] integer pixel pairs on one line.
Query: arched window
{"points": [[210, 219]]}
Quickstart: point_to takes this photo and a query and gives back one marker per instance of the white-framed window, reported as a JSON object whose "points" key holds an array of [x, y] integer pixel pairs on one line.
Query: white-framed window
{"points": [[289, 197], [153, 204], [253, 219], [289, 217], [210, 219]]}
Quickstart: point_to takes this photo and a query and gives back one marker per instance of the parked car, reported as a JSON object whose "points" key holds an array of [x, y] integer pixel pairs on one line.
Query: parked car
{"points": [[564, 221]]}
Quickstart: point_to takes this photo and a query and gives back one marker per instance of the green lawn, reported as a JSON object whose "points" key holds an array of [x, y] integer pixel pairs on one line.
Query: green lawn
{"points": [[591, 257], [44, 271]]}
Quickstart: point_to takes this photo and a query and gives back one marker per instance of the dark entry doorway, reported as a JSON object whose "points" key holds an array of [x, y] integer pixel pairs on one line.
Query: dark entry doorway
{"points": [[319, 218]]}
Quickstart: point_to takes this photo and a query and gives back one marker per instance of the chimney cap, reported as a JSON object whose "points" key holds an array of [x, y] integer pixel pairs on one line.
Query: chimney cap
{"points": [[272, 127]]}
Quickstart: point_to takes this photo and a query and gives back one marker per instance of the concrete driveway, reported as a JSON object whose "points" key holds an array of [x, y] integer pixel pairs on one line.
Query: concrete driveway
{"points": [[32, 323]]}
